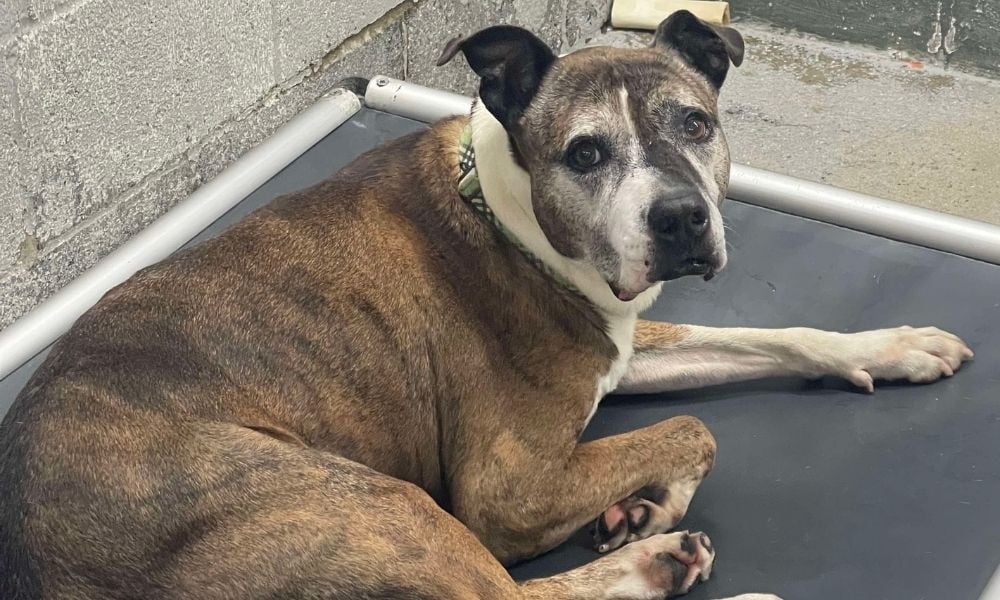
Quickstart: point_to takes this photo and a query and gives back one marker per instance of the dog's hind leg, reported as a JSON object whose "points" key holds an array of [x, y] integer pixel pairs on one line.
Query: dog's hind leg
{"points": [[326, 527], [237, 514], [307, 524]]}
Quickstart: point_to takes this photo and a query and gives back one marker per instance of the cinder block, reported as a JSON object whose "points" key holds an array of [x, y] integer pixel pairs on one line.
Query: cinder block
{"points": [[306, 30], [62, 262], [11, 226], [11, 11], [584, 19], [547, 20], [12, 203], [111, 89], [382, 55], [429, 27], [37, 9]]}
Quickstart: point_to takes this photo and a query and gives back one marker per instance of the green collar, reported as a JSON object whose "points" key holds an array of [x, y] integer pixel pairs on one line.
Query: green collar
{"points": [[470, 189]]}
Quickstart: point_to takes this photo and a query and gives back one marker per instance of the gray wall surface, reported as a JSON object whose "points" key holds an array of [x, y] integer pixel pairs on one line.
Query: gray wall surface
{"points": [[112, 111]]}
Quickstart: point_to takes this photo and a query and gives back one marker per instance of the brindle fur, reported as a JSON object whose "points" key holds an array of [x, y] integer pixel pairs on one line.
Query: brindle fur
{"points": [[284, 410]]}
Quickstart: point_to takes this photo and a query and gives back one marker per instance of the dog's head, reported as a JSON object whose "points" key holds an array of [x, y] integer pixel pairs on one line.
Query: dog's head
{"points": [[627, 158]]}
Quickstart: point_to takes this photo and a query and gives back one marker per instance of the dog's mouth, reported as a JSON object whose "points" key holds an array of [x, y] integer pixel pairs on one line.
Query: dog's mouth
{"points": [[705, 267], [692, 266], [624, 295]]}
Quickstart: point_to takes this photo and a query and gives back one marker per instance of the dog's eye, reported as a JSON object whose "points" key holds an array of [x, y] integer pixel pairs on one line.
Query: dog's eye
{"points": [[696, 127], [584, 155]]}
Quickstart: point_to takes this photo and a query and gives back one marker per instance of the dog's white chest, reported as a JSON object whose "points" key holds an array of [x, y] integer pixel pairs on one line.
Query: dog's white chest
{"points": [[621, 330]]}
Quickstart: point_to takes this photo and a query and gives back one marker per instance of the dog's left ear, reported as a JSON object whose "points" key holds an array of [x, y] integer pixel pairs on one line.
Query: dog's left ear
{"points": [[708, 48], [510, 62]]}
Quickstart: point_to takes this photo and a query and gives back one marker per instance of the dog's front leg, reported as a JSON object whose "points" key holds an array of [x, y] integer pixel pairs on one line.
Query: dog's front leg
{"points": [[674, 357], [525, 496]]}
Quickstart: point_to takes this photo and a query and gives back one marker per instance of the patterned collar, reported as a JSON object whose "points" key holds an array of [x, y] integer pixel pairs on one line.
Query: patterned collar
{"points": [[470, 189]]}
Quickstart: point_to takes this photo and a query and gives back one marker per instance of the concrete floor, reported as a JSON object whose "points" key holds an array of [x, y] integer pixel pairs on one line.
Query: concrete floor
{"points": [[862, 119]]}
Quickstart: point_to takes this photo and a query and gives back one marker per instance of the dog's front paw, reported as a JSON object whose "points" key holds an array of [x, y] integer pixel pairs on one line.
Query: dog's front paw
{"points": [[901, 354]]}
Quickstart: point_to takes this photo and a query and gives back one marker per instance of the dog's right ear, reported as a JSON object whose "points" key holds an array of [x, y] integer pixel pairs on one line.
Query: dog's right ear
{"points": [[706, 47], [511, 63]]}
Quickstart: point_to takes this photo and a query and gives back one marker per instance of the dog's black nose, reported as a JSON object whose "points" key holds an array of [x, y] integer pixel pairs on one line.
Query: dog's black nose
{"points": [[679, 220]]}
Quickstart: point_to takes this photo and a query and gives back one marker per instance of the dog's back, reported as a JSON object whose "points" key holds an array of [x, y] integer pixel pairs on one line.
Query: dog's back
{"points": [[209, 376]]}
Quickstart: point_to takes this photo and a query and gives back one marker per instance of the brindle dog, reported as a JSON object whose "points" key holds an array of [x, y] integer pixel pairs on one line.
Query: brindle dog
{"points": [[368, 390]]}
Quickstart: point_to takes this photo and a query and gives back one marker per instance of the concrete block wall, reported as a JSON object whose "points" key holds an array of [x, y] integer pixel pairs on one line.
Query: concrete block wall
{"points": [[111, 112]]}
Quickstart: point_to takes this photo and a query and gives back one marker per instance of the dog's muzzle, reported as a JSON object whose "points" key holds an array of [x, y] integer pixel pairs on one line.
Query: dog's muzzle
{"points": [[680, 229]]}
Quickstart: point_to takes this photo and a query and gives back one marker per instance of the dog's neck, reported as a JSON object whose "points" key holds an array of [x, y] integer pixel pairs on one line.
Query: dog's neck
{"points": [[507, 190]]}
